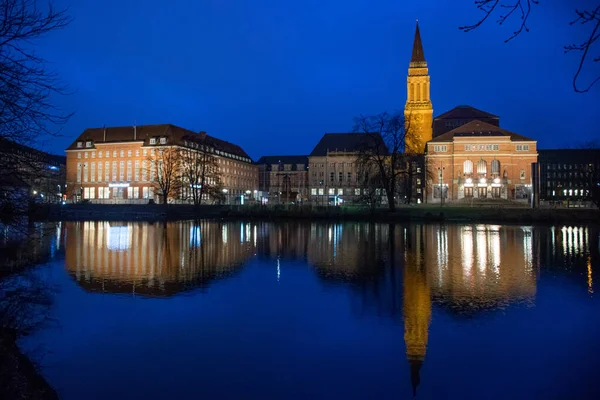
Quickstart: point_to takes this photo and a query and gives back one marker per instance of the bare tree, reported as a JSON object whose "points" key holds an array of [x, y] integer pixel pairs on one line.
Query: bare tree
{"points": [[382, 153], [201, 173], [587, 15], [165, 172]]}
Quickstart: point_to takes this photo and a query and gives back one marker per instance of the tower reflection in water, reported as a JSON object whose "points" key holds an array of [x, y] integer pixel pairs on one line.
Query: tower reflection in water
{"points": [[394, 271]]}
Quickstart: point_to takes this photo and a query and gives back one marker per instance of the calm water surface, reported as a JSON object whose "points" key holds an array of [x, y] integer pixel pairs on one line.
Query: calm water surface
{"points": [[218, 310]]}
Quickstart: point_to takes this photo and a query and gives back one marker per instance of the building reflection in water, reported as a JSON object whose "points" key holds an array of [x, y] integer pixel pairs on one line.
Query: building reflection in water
{"points": [[154, 259], [400, 272]]}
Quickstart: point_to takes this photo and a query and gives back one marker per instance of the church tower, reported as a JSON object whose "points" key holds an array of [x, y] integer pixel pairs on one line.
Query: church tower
{"points": [[418, 112]]}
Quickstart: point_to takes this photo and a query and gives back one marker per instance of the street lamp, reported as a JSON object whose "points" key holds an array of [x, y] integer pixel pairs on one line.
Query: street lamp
{"points": [[226, 197]]}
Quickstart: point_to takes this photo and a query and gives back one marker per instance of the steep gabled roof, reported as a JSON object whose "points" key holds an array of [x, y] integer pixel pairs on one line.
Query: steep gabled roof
{"points": [[466, 112], [479, 129], [283, 160], [345, 142]]}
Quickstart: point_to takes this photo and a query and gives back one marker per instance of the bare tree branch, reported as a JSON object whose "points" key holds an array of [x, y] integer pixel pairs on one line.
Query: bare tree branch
{"points": [[588, 17]]}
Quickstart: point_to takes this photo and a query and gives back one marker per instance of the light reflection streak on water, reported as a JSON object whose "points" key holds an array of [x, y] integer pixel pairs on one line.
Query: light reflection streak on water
{"points": [[482, 248], [467, 250], [528, 248], [442, 252], [589, 275], [495, 248]]}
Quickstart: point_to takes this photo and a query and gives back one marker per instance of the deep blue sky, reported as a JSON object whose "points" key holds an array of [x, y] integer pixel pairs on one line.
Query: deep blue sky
{"points": [[273, 76]]}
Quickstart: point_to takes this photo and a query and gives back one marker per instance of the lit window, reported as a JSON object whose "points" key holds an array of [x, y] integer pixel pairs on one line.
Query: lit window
{"points": [[99, 154], [440, 148], [137, 153], [79, 145], [357, 192], [313, 191], [122, 153], [86, 155], [78, 155], [128, 153], [88, 144], [331, 191], [152, 140], [93, 154], [163, 140], [114, 153]]}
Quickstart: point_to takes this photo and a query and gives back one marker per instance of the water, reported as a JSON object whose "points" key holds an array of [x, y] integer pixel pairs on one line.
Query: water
{"points": [[322, 310]]}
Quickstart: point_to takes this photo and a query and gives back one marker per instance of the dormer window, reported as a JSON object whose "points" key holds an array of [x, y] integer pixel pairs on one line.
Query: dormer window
{"points": [[152, 140], [79, 145], [163, 140], [88, 144]]}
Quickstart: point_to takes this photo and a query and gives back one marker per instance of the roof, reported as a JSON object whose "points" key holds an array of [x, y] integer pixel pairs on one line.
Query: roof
{"points": [[283, 160], [479, 129], [346, 142], [9, 146], [418, 55], [466, 112], [146, 132]]}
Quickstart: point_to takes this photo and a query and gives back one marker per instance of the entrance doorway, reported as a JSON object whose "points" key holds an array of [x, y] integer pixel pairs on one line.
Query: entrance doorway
{"points": [[468, 192], [482, 192], [496, 192]]}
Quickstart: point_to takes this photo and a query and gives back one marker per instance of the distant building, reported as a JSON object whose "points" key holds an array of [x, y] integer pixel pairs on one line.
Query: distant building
{"points": [[333, 169], [478, 161], [112, 164], [568, 176], [30, 173], [459, 116], [418, 111], [283, 179]]}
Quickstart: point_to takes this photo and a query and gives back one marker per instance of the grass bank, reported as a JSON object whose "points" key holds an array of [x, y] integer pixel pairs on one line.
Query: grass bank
{"points": [[423, 213]]}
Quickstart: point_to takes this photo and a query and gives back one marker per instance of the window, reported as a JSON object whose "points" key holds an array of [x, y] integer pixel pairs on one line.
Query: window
{"points": [[321, 191], [136, 171], [145, 152], [522, 147], [99, 154], [418, 170], [331, 176], [114, 154], [93, 154], [440, 148], [522, 174], [122, 153], [79, 173], [145, 192], [468, 167], [482, 167], [340, 176], [122, 171], [107, 171], [86, 155], [495, 167], [100, 175], [129, 172], [78, 155], [349, 177], [137, 153], [88, 144], [93, 176], [79, 145], [331, 191], [85, 172], [340, 192], [128, 153], [313, 191], [357, 192], [114, 171], [418, 181], [130, 192], [163, 140], [152, 140]]}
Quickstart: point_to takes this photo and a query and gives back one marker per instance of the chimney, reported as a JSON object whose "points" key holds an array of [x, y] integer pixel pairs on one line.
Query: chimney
{"points": [[105, 132], [202, 134], [134, 131]]}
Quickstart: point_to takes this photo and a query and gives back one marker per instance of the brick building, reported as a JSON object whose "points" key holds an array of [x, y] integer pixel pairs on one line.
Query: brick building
{"points": [[113, 164], [479, 160], [459, 116], [283, 179]]}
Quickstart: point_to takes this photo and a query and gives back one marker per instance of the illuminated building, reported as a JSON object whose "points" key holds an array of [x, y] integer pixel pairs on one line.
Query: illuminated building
{"points": [[113, 164], [569, 177], [418, 111], [284, 179], [480, 161], [459, 116]]}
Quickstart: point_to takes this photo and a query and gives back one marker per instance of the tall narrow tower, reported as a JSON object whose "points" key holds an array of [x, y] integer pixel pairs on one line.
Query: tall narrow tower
{"points": [[418, 112]]}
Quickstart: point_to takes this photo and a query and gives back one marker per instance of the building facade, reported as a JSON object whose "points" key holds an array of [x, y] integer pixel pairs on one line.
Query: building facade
{"points": [[114, 165], [418, 111], [283, 179], [569, 177], [478, 161], [333, 172]]}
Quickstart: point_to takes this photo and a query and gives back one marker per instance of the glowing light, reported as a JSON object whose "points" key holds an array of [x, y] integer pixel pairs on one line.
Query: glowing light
{"points": [[469, 180], [278, 270], [589, 271], [467, 250], [224, 234], [118, 238], [497, 180], [118, 185]]}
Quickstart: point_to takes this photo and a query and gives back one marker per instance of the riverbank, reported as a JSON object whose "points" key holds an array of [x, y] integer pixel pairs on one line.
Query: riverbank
{"points": [[423, 213], [19, 379]]}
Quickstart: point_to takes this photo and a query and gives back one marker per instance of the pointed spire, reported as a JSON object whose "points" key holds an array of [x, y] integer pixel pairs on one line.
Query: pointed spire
{"points": [[417, 53]]}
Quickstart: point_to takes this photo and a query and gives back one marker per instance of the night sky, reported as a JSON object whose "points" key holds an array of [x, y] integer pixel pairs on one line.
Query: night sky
{"points": [[273, 76]]}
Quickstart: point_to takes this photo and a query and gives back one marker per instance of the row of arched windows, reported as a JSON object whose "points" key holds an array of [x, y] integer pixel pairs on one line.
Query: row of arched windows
{"points": [[481, 167]]}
